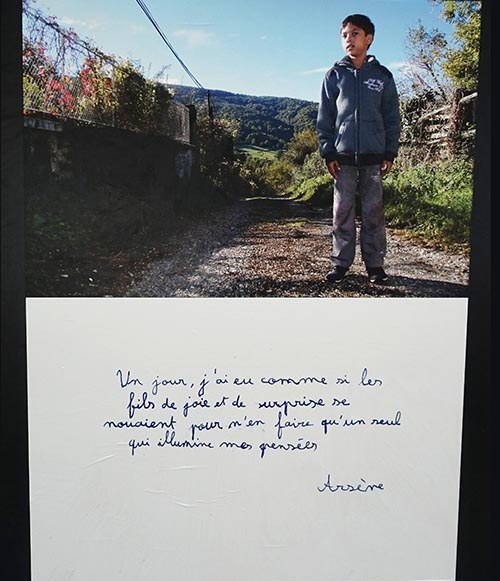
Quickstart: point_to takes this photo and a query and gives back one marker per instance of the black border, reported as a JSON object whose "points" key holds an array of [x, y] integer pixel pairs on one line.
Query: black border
{"points": [[474, 558], [14, 422], [474, 555]]}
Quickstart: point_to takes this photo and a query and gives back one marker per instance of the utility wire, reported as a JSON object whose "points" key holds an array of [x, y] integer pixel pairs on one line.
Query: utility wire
{"points": [[147, 12], [151, 18]]}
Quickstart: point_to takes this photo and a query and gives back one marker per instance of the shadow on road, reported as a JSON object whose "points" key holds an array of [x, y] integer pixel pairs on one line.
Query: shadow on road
{"points": [[429, 288], [283, 208], [352, 286]]}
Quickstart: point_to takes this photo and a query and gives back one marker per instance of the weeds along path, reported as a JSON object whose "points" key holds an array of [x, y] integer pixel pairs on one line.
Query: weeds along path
{"points": [[274, 247]]}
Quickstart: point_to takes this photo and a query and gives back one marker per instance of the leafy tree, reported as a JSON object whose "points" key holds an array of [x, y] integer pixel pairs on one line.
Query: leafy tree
{"points": [[314, 166], [216, 143], [301, 144], [426, 50], [462, 61], [434, 63], [133, 97], [279, 175], [254, 173]]}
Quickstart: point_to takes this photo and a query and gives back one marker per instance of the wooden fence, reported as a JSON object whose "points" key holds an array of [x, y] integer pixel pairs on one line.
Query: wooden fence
{"points": [[444, 128]]}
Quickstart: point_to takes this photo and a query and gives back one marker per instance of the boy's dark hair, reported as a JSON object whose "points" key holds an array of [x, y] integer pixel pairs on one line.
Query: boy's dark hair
{"points": [[361, 21]]}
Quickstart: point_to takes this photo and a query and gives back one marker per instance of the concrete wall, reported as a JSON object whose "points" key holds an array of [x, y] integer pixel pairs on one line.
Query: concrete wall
{"points": [[85, 157]]}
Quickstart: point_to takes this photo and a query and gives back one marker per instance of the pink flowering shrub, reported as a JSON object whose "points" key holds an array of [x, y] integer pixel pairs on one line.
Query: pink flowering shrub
{"points": [[64, 75]]}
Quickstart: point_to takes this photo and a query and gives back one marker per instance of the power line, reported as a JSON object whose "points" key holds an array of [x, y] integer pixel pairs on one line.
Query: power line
{"points": [[147, 12], [151, 18]]}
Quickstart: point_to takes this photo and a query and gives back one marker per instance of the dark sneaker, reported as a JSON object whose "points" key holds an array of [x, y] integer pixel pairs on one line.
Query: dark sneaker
{"points": [[336, 274], [377, 275]]}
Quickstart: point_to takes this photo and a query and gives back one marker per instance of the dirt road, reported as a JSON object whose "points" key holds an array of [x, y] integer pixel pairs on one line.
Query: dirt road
{"points": [[274, 247]]}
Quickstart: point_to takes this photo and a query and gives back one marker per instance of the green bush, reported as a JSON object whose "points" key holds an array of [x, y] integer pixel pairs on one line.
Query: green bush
{"points": [[313, 166], [253, 171], [278, 175], [223, 175], [302, 144], [431, 199], [316, 191]]}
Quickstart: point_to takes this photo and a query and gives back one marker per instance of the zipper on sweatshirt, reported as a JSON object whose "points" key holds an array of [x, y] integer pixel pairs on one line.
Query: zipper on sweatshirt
{"points": [[357, 77]]}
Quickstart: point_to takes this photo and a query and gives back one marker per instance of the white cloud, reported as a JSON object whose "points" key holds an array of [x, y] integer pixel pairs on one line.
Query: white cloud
{"points": [[399, 65], [315, 71], [74, 23], [195, 37], [164, 77], [263, 37]]}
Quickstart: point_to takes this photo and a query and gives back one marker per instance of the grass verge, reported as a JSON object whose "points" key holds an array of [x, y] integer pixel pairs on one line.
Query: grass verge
{"points": [[258, 152], [432, 201]]}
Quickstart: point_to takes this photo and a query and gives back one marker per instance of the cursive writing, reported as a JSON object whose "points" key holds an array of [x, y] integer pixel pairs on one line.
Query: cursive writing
{"points": [[362, 486]]}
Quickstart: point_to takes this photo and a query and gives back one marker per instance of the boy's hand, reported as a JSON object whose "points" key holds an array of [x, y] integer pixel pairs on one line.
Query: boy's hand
{"points": [[385, 168], [333, 168]]}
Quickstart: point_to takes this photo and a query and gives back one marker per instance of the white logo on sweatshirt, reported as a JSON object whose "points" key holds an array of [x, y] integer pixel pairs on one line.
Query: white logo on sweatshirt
{"points": [[375, 85]]}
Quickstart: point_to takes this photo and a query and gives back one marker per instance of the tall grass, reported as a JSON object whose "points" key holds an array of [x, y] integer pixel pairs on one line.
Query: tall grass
{"points": [[316, 191], [433, 200], [430, 200]]}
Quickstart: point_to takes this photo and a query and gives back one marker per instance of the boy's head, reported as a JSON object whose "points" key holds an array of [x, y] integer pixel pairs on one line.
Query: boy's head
{"points": [[357, 32]]}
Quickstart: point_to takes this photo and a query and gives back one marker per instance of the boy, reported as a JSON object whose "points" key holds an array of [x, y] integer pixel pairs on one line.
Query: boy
{"points": [[358, 129]]}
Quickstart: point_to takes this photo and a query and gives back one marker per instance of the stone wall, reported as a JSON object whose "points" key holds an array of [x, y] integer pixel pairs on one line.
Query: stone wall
{"points": [[86, 157], [97, 199]]}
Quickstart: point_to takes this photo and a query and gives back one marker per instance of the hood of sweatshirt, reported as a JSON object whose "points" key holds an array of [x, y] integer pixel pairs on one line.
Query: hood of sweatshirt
{"points": [[347, 62], [358, 113]]}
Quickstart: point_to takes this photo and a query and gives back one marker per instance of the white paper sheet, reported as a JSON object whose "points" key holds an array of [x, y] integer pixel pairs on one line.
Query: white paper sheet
{"points": [[361, 484]]}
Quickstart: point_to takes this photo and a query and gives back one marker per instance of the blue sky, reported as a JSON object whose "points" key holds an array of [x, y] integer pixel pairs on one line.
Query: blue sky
{"points": [[264, 47]]}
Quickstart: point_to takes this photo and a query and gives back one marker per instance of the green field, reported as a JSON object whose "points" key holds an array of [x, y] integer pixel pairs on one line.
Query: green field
{"points": [[256, 151]]}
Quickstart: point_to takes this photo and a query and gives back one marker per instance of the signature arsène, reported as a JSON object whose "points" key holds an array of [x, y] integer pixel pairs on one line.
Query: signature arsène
{"points": [[362, 486]]}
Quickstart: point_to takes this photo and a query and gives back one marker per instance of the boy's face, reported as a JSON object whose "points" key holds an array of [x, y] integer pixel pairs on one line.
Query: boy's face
{"points": [[355, 41]]}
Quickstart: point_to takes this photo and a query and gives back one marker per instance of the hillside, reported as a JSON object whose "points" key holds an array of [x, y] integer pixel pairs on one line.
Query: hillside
{"points": [[267, 122]]}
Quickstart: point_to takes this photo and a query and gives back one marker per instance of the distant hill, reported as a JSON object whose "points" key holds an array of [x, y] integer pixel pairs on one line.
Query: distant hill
{"points": [[267, 122]]}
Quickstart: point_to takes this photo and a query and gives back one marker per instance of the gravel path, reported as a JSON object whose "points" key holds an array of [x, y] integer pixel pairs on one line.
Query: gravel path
{"points": [[274, 247]]}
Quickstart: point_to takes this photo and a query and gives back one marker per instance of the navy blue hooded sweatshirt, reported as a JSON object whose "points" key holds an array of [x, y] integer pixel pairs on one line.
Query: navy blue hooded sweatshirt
{"points": [[358, 118]]}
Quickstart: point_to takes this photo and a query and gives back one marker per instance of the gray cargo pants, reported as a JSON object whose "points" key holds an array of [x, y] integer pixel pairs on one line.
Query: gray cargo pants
{"points": [[367, 181]]}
